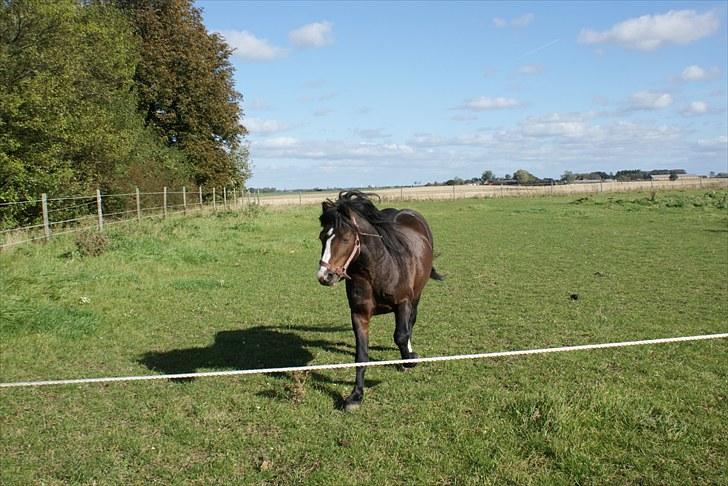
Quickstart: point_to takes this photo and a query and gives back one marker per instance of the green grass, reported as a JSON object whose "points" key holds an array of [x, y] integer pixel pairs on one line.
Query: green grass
{"points": [[238, 291]]}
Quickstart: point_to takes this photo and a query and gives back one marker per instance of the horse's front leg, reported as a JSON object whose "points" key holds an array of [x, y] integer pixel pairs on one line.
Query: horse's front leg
{"points": [[360, 323]]}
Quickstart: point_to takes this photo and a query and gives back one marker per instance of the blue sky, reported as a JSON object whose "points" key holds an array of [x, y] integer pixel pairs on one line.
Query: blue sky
{"points": [[358, 94]]}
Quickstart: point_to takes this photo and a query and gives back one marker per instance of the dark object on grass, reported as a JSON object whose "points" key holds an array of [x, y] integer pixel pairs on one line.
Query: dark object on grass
{"points": [[91, 243], [574, 296], [386, 258]]}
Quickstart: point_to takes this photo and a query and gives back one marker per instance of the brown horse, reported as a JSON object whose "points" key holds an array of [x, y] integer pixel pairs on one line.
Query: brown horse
{"points": [[386, 258]]}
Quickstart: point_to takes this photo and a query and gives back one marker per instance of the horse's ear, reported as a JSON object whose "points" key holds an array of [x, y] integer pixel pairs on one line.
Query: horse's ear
{"points": [[326, 205]]}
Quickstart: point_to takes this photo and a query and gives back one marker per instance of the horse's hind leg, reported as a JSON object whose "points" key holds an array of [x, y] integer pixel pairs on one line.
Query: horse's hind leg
{"points": [[405, 316]]}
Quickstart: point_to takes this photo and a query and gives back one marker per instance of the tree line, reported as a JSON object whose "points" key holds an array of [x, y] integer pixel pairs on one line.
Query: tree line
{"points": [[524, 177], [114, 95]]}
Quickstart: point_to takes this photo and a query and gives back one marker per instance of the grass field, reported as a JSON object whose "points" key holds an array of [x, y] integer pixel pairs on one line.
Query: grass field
{"points": [[238, 291]]}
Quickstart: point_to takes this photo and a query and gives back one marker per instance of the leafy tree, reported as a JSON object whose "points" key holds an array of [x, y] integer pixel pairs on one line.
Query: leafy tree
{"points": [[185, 85], [568, 176], [631, 175], [68, 119], [524, 177], [487, 176]]}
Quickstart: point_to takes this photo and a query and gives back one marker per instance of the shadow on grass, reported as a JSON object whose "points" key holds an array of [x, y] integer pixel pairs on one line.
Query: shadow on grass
{"points": [[254, 348]]}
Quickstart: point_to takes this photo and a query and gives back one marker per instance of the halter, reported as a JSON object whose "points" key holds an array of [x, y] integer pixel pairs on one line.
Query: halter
{"points": [[341, 271]]}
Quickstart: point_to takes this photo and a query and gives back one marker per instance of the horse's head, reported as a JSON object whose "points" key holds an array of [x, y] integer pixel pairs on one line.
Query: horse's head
{"points": [[339, 244]]}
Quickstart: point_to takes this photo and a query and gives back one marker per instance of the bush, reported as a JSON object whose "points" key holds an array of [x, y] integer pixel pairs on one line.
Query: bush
{"points": [[91, 243]]}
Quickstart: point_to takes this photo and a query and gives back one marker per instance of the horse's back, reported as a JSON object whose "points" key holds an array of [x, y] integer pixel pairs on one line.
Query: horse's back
{"points": [[412, 220]]}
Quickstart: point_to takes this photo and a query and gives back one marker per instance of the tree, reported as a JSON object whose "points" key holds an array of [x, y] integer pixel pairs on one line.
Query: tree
{"points": [[185, 85], [568, 176], [68, 119], [524, 177], [487, 176]]}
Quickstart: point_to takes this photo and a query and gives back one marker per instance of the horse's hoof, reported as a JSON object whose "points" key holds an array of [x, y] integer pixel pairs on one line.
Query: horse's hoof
{"points": [[410, 365], [351, 406], [352, 402]]}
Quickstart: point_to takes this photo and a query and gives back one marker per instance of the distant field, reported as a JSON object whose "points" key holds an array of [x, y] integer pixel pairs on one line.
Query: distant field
{"points": [[420, 193], [237, 290]]}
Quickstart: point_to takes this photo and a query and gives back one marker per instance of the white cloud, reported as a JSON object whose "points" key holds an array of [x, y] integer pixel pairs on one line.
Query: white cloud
{"points": [[546, 145], [523, 20], [519, 22], [556, 124], [650, 100], [650, 32], [530, 69], [317, 34], [275, 143], [247, 46], [719, 142], [697, 73], [256, 104], [483, 103], [696, 108], [372, 133], [257, 126], [323, 112]]}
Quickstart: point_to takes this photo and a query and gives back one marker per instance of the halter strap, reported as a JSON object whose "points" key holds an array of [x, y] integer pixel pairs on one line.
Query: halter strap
{"points": [[341, 271]]}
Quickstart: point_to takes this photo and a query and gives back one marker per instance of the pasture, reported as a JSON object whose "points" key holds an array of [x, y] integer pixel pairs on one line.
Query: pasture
{"points": [[237, 290]]}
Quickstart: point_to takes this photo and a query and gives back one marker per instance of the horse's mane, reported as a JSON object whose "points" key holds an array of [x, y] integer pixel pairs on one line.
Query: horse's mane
{"points": [[360, 203]]}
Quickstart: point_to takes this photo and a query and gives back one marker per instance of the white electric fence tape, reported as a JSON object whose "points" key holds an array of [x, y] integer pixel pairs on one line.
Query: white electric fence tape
{"points": [[499, 354]]}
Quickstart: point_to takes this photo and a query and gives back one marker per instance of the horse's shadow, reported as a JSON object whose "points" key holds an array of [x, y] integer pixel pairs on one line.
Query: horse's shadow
{"points": [[258, 347]]}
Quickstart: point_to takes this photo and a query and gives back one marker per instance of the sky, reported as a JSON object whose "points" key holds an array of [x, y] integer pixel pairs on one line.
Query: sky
{"points": [[346, 94]]}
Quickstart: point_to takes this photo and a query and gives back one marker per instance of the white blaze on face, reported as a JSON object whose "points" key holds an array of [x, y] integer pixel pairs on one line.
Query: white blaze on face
{"points": [[327, 254]]}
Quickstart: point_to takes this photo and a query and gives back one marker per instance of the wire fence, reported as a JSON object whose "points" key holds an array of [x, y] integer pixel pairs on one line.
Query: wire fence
{"points": [[41, 219], [423, 193]]}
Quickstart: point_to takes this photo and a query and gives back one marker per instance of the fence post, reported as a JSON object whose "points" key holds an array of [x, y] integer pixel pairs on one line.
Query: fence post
{"points": [[44, 205], [401, 193], [165, 201], [184, 199], [214, 201], [224, 198], [99, 210], [300, 199], [258, 197], [235, 201], [139, 205], [200, 197]]}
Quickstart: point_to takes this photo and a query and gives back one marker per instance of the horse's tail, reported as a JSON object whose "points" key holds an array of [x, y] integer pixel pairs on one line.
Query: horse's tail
{"points": [[436, 276]]}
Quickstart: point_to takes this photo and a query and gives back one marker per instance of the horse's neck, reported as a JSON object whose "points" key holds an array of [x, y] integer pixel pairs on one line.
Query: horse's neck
{"points": [[375, 258]]}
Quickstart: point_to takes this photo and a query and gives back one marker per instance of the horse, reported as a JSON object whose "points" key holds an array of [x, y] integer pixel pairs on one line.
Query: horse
{"points": [[386, 257]]}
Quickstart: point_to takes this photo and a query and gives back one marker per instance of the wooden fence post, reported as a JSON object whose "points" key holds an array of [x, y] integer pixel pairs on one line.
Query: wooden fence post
{"points": [[139, 205], [184, 199], [235, 201], [214, 201], [224, 198], [200, 198], [165, 202], [99, 210], [44, 205], [258, 197]]}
